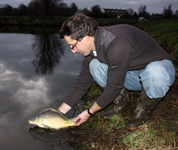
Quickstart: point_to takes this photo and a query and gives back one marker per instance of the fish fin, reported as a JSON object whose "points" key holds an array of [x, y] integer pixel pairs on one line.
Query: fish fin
{"points": [[46, 110], [45, 126], [53, 110], [71, 121]]}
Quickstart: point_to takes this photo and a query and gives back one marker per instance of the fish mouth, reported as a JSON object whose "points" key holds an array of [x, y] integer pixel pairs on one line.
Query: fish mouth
{"points": [[29, 122]]}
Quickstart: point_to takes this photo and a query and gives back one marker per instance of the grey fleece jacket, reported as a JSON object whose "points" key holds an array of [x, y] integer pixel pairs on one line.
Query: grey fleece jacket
{"points": [[122, 48]]}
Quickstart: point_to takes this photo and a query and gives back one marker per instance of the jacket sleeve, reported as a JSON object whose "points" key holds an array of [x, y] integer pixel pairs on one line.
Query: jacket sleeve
{"points": [[82, 84], [118, 55]]}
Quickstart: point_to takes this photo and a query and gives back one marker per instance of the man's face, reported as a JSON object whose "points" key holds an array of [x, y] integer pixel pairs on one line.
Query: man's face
{"points": [[82, 46]]}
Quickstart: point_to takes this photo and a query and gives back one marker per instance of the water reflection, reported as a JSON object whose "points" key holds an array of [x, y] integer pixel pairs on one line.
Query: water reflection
{"points": [[23, 93], [48, 49], [48, 135]]}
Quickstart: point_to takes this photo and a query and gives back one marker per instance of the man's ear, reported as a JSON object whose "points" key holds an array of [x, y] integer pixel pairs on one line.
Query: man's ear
{"points": [[87, 38]]}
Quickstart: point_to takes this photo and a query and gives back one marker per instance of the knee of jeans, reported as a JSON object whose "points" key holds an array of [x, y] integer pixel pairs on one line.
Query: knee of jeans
{"points": [[154, 77], [156, 82], [99, 72], [93, 66]]}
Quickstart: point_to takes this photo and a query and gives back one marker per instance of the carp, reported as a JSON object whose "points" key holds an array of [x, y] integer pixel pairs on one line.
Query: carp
{"points": [[51, 118]]}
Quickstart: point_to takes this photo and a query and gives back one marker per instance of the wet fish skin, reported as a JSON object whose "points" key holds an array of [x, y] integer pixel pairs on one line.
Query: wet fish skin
{"points": [[51, 118]]}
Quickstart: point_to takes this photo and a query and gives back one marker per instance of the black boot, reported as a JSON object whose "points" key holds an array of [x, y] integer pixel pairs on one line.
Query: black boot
{"points": [[121, 104], [143, 110]]}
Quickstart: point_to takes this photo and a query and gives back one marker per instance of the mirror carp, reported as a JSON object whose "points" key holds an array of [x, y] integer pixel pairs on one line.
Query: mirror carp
{"points": [[51, 118]]}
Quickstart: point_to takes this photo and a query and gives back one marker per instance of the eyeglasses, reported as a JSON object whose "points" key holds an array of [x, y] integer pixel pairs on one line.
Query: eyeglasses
{"points": [[72, 47]]}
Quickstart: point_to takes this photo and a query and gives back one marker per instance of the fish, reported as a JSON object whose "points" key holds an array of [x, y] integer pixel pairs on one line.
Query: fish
{"points": [[52, 119]]}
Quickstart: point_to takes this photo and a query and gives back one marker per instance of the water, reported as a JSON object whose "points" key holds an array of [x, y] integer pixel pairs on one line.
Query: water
{"points": [[36, 72]]}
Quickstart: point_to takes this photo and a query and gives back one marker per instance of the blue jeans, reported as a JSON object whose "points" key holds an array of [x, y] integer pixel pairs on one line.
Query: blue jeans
{"points": [[156, 78]]}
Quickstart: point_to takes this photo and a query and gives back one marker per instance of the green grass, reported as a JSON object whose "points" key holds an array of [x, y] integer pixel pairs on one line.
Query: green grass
{"points": [[165, 32], [94, 91], [110, 133]]}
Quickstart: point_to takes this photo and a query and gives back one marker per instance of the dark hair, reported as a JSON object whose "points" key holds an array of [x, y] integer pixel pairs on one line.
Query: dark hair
{"points": [[78, 26]]}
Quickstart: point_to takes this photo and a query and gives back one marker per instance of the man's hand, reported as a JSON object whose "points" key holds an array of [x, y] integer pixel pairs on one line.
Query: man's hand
{"points": [[81, 118]]}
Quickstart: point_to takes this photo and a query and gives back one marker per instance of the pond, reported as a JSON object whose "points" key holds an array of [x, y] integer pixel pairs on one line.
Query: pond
{"points": [[36, 72]]}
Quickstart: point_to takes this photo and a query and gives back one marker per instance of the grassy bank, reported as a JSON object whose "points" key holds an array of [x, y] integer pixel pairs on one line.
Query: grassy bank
{"points": [[165, 32], [159, 133]]}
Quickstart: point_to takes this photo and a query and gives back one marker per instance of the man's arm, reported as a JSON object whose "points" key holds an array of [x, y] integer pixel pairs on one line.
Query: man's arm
{"points": [[64, 108]]}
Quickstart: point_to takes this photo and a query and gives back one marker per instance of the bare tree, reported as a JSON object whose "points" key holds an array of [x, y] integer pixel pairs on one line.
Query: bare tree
{"points": [[63, 9], [130, 11], [6, 9], [47, 5], [34, 8], [22, 9], [176, 13], [167, 12], [142, 10], [96, 11], [73, 8], [85, 9]]}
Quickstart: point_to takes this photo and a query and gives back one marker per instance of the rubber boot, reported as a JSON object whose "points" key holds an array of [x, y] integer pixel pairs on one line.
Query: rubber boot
{"points": [[121, 104], [143, 110]]}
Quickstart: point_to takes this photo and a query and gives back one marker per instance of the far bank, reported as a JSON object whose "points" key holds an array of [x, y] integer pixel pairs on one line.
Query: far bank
{"points": [[53, 21]]}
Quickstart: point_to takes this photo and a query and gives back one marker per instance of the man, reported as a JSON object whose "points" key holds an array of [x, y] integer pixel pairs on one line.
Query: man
{"points": [[117, 57]]}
